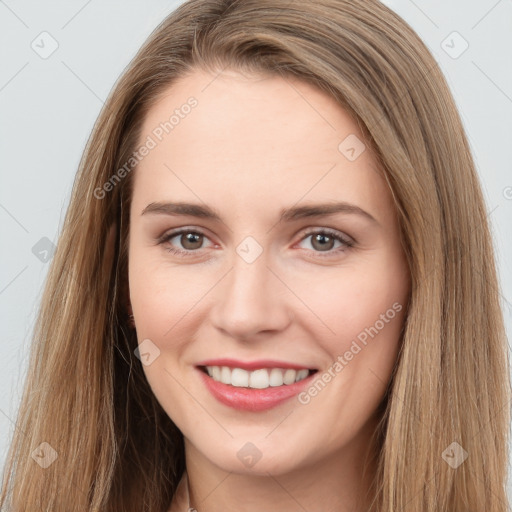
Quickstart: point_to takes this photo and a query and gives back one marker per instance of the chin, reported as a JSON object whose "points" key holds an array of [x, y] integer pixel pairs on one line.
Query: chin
{"points": [[248, 459]]}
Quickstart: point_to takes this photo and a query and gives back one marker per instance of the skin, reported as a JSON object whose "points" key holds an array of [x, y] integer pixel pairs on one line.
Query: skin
{"points": [[252, 146]]}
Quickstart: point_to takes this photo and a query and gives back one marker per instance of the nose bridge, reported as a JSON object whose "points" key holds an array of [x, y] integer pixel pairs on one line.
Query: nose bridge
{"points": [[248, 285], [249, 277], [249, 300]]}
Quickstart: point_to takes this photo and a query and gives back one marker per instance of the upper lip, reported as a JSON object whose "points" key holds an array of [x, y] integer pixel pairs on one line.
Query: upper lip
{"points": [[253, 365]]}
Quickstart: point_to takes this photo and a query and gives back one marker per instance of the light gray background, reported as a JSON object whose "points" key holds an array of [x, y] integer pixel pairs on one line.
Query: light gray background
{"points": [[48, 107]]}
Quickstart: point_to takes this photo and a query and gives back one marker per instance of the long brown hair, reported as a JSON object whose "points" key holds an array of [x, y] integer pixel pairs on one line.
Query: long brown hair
{"points": [[86, 394]]}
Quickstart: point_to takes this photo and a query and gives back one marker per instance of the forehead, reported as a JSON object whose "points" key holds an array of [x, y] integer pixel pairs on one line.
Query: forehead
{"points": [[266, 113], [255, 140]]}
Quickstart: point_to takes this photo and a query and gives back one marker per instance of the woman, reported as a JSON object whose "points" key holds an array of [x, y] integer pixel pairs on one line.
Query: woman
{"points": [[195, 348]]}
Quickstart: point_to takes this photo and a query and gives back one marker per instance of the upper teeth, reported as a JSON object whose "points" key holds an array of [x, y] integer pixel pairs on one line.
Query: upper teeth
{"points": [[259, 379]]}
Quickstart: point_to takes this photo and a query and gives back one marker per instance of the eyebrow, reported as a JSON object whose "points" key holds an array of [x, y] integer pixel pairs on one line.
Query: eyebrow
{"points": [[286, 214]]}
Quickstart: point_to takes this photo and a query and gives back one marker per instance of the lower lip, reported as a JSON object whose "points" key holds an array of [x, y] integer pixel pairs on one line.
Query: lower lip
{"points": [[250, 399]]}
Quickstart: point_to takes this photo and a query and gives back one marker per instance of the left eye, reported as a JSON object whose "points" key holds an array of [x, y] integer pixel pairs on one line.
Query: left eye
{"points": [[322, 241]]}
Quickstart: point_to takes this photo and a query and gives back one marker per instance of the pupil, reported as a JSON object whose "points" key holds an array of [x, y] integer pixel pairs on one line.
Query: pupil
{"points": [[320, 237], [191, 238]]}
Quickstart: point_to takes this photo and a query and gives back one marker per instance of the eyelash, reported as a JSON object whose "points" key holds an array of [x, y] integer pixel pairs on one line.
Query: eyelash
{"points": [[325, 231]]}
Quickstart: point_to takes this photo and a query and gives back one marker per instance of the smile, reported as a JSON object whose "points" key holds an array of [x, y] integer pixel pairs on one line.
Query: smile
{"points": [[254, 386], [258, 379]]}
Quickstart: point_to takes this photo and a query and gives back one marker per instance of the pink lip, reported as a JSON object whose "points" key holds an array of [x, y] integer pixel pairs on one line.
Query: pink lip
{"points": [[252, 365], [249, 399]]}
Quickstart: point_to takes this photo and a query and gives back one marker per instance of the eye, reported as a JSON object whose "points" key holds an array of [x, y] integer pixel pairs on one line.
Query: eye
{"points": [[190, 240], [323, 241]]}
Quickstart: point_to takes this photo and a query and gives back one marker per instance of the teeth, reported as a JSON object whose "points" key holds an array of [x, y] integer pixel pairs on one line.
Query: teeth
{"points": [[289, 376], [257, 379], [276, 377], [215, 373], [225, 375], [239, 378]]}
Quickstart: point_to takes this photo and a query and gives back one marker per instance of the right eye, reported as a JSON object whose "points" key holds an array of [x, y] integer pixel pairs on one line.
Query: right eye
{"points": [[190, 239]]}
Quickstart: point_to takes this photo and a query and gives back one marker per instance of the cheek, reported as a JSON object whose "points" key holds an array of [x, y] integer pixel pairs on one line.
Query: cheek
{"points": [[354, 301], [164, 297], [362, 312], [365, 313]]}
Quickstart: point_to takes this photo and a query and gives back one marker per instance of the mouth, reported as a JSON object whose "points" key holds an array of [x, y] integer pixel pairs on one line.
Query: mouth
{"points": [[258, 387], [259, 378]]}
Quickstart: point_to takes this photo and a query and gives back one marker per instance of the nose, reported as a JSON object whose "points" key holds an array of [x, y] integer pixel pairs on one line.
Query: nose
{"points": [[251, 300]]}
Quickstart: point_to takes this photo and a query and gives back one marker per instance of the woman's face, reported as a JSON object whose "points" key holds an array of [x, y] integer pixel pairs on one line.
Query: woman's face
{"points": [[287, 257]]}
